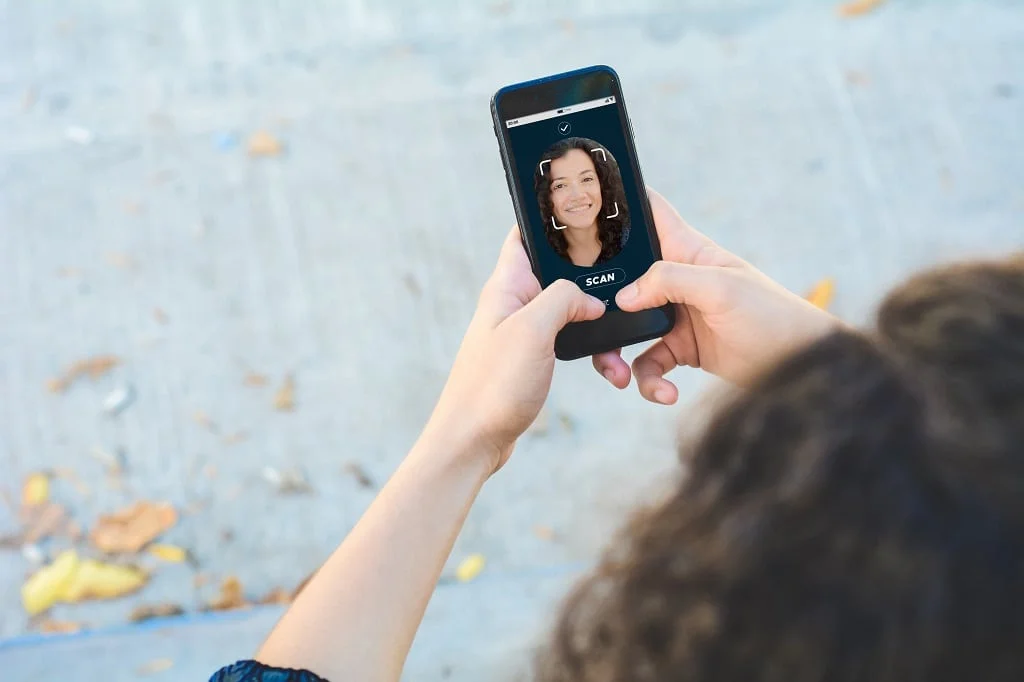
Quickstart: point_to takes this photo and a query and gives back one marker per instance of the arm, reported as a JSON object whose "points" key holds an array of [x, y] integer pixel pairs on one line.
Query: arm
{"points": [[357, 617]]}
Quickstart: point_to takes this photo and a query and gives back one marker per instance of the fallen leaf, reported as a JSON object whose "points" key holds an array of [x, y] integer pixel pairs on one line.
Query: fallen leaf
{"points": [[28, 99], [546, 533], [278, 595], [262, 143], [566, 421], [470, 567], [132, 207], [46, 586], [230, 596], [35, 490], [120, 260], [856, 8], [160, 316], [144, 612], [821, 294], [234, 438], [169, 553], [48, 626], [301, 586], [357, 472], [132, 528], [98, 580], [200, 579], [284, 399], [42, 521], [69, 272], [157, 665], [857, 78], [94, 368], [254, 379], [205, 421], [69, 475], [115, 463]]}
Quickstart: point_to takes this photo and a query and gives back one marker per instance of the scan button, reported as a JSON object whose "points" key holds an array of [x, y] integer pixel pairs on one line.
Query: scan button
{"points": [[604, 278]]}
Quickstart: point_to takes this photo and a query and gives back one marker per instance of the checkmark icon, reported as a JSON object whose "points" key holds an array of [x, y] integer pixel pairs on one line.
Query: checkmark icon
{"points": [[564, 127]]}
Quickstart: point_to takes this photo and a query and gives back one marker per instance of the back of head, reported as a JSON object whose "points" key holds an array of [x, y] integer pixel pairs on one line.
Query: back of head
{"points": [[855, 516]]}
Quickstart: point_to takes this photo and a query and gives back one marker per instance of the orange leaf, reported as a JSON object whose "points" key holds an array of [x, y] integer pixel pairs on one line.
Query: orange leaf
{"points": [[94, 367], [821, 294], [230, 596], [278, 595], [145, 612], [254, 379], [262, 143], [58, 627], [157, 665], [284, 399], [132, 528], [856, 8]]}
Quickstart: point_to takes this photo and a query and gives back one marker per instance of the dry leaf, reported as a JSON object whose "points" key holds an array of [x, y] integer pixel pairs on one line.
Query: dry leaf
{"points": [[157, 665], [357, 472], [566, 421], [46, 586], [230, 596], [263, 143], [160, 316], [28, 98], [234, 438], [35, 490], [94, 368], [43, 520], [169, 553], [284, 399], [254, 379], [120, 260], [204, 420], [97, 580], [301, 586], [821, 294], [289, 482], [278, 595], [857, 78], [546, 533], [856, 8], [58, 627], [145, 612], [132, 528], [199, 580], [69, 475], [470, 567]]}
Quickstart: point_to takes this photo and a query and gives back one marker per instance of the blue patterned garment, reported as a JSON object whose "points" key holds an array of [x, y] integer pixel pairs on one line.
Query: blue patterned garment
{"points": [[251, 671]]}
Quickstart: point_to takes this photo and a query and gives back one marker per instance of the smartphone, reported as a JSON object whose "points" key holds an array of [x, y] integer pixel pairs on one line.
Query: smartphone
{"points": [[567, 146]]}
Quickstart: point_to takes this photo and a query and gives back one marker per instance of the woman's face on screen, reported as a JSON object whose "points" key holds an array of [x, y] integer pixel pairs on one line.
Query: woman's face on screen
{"points": [[575, 190]]}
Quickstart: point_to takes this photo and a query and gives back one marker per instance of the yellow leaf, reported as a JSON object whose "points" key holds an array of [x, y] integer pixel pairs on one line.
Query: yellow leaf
{"points": [[97, 580], [46, 585], [855, 8], [821, 294], [470, 567], [36, 489], [171, 553]]}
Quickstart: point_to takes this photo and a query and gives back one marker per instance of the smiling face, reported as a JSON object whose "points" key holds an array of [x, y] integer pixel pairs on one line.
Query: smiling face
{"points": [[575, 190]]}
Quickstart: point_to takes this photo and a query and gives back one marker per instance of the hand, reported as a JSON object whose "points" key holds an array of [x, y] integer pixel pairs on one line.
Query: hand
{"points": [[731, 319], [502, 373]]}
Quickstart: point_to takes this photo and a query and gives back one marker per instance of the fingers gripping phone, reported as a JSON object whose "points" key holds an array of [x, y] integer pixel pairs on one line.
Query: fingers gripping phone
{"points": [[567, 146]]}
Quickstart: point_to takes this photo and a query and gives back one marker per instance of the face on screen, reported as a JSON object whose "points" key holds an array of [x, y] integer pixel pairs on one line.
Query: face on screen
{"points": [[582, 201], [580, 197]]}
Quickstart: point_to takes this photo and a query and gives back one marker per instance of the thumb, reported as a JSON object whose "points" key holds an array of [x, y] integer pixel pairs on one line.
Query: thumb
{"points": [[701, 286], [559, 304]]}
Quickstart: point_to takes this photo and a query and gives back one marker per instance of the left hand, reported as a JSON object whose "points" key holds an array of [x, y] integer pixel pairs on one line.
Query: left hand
{"points": [[502, 373]]}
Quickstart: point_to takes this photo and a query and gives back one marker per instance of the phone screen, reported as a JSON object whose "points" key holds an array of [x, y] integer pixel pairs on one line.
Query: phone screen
{"points": [[582, 195], [579, 196]]}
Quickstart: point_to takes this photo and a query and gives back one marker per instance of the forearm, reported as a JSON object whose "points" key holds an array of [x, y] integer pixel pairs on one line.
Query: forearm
{"points": [[357, 617]]}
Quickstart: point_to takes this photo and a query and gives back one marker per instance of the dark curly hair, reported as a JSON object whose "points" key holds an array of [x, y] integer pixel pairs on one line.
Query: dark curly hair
{"points": [[855, 516], [613, 232]]}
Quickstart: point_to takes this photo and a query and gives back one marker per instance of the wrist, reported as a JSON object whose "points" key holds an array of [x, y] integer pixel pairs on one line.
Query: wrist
{"points": [[456, 443]]}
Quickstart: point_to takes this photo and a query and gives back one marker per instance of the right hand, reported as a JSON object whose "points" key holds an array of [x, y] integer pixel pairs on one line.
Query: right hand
{"points": [[731, 319]]}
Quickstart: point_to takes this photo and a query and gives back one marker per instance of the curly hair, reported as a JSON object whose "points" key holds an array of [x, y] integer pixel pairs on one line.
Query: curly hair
{"points": [[613, 232], [857, 515]]}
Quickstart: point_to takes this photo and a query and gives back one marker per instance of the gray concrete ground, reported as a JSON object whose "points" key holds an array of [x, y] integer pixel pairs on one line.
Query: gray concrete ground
{"points": [[814, 146]]}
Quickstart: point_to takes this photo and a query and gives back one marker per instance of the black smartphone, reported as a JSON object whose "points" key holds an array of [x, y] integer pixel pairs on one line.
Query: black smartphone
{"points": [[567, 146]]}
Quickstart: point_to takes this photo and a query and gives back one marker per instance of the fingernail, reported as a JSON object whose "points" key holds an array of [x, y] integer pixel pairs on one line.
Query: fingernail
{"points": [[609, 375], [663, 395], [627, 294]]}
